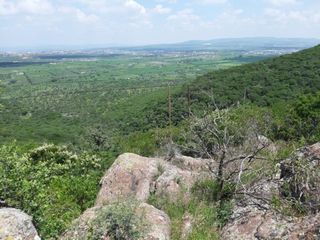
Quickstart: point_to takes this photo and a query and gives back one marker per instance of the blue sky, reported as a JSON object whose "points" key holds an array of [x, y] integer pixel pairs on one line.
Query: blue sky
{"points": [[133, 22]]}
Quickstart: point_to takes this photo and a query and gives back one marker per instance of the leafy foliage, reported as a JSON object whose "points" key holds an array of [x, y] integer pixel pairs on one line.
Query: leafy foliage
{"points": [[303, 120], [118, 222], [263, 83], [50, 182], [53, 184], [207, 190], [204, 214]]}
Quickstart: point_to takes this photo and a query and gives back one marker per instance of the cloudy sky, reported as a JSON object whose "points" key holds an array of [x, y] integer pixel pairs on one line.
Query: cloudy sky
{"points": [[133, 22]]}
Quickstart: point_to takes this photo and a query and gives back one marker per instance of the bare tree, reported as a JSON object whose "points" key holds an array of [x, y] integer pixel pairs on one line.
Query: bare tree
{"points": [[231, 146]]}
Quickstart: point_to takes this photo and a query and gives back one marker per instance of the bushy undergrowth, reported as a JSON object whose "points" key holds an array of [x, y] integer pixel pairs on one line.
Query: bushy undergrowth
{"points": [[301, 120], [207, 190], [54, 184], [208, 215], [204, 217], [118, 222], [51, 183]]}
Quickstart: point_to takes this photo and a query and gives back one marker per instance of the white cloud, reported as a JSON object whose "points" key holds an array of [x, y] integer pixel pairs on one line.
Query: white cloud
{"points": [[25, 6], [7, 8], [132, 21], [285, 17], [35, 6], [185, 17], [161, 9], [166, 1], [86, 18], [208, 2], [133, 5], [282, 2]]}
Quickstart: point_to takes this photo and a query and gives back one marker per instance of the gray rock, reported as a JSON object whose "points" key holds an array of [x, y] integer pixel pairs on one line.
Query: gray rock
{"points": [[130, 176], [16, 225], [158, 223]]}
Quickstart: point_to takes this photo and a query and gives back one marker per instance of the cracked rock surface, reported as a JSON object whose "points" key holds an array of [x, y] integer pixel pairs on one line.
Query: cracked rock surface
{"points": [[16, 225], [135, 178]]}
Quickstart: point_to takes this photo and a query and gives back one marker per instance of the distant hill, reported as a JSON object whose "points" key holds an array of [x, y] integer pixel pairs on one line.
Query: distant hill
{"points": [[245, 44], [222, 44]]}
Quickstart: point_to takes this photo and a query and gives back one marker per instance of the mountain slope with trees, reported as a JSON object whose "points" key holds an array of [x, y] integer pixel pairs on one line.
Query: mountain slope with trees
{"points": [[277, 98]]}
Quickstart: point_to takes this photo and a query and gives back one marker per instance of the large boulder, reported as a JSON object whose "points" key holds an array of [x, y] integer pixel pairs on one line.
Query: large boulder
{"points": [[133, 176], [130, 181], [16, 225], [130, 176], [157, 222]]}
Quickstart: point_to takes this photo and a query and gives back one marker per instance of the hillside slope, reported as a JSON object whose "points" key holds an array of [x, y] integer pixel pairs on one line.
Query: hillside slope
{"points": [[265, 82]]}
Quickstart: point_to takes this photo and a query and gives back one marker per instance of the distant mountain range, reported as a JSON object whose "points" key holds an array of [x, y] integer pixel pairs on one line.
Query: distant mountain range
{"points": [[236, 44], [245, 44]]}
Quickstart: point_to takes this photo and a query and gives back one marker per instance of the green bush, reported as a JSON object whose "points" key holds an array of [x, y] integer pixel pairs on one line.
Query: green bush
{"points": [[224, 211], [204, 215], [208, 190], [51, 183], [302, 120], [118, 222]]}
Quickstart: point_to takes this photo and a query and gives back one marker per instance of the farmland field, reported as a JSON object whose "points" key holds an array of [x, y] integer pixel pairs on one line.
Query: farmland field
{"points": [[58, 97]]}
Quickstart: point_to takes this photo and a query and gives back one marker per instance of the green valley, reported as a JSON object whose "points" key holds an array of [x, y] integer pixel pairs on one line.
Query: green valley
{"points": [[65, 117]]}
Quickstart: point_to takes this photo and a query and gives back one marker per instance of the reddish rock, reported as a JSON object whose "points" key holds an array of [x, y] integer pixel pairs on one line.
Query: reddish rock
{"points": [[129, 177], [158, 223], [133, 176]]}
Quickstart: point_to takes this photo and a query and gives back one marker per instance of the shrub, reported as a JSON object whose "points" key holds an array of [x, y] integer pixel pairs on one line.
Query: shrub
{"points": [[204, 216], [118, 222], [208, 190], [302, 121], [51, 183]]}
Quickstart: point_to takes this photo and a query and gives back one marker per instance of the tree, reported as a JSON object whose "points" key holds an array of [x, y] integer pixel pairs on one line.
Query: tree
{"points": [[231, 144], [302, 120]]}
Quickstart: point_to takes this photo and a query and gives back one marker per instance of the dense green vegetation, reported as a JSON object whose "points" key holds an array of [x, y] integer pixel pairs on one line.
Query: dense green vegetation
{"points": [[116, 104], [276, 84], [93, 107], [50, 182], [264, 83], [58, 101]]}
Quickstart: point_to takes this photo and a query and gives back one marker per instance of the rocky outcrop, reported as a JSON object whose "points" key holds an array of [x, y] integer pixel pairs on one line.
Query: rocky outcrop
{"points": [[255, 224], [134, 178], [130, 176], [16, 225], [158, 223], [254, 218]]}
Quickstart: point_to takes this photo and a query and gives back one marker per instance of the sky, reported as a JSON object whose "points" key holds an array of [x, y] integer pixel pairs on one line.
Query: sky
{"points": [[139, 22]]}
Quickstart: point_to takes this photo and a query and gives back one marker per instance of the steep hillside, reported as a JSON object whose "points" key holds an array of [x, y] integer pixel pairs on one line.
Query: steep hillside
{"points": [[263, 83]]}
